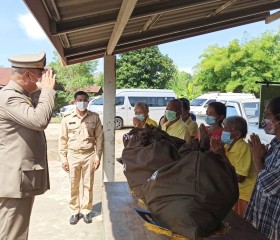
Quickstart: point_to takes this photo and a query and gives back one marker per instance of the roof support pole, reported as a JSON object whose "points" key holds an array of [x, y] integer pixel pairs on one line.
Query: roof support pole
{"points": [[109, 117]]}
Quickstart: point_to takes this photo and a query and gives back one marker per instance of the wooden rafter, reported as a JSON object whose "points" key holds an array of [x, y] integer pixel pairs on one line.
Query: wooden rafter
{"points": [[60, 27], [189, 26], [223, 7], [125, 12], [126, 45], [151, 21], [273, 17]]}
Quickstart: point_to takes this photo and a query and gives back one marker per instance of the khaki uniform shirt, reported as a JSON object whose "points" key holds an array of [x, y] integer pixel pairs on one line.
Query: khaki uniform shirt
{"points": [[81, 134], [23, 152]]}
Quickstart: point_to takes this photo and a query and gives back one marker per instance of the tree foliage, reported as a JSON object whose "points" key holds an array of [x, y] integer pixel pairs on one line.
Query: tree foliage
{"points": [[144, 68], [73, 78], [237, 67], [181, 84]]}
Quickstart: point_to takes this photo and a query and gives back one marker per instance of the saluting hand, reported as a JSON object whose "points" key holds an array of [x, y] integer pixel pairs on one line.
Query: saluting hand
{"points": [[48, 80]]}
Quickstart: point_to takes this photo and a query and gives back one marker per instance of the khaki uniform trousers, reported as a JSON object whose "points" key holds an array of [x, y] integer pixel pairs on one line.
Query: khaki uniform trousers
{"points": [[81, 170], [14, 218]]}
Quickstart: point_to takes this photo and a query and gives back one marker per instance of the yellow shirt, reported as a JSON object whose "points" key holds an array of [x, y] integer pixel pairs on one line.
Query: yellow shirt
{"points": [[179, 129], [240, 157], [151, 122], [193, 127]]}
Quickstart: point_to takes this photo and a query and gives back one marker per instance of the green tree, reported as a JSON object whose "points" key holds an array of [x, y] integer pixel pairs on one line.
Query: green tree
{"points": [[144, 68], [237, 67], [72, 77], [180, 84]]}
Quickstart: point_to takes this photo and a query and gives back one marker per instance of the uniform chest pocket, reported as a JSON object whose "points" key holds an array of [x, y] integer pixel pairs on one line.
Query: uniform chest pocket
{"points": [[90, 124], [73, 130], [31, 175]]}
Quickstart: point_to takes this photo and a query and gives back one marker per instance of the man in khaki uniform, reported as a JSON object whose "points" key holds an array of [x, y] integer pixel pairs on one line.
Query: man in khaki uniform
{"points": [[81, 147], [23, 156]]}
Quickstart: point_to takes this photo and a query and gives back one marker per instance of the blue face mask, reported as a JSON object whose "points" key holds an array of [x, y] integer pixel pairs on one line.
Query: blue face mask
{"points": [[225, 138], [170, 115], [140, 117], [210, 120]]}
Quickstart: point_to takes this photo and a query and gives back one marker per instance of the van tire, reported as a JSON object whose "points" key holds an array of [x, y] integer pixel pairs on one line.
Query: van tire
{"points": [[118, 123]]}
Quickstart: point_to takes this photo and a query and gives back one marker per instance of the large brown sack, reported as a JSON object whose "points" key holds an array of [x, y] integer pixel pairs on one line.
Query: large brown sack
{"points": [[146, 151], [192, 196]]}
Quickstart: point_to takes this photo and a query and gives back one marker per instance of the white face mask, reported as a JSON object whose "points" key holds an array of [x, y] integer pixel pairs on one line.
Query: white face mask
{"points": [[269, 126], [82, 106]]}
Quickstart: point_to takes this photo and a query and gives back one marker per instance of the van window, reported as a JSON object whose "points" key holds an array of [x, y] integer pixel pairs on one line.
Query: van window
{"points": [[98, 101], [231, 111], [119, 101], [210, 101], [198, 102], [151, 101], [252, 109]]}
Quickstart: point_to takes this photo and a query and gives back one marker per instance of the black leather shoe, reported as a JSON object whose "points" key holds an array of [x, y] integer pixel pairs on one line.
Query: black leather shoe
{"points": [[87, 218], [75, 219]]}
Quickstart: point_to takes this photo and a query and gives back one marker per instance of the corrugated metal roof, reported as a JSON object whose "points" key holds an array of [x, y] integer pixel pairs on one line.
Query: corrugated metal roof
{"points": [[81, 29]]}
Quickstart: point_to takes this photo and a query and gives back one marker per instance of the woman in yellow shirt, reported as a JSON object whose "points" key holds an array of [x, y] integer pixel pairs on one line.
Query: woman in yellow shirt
{"points": [[237, 151], [141, 117]]}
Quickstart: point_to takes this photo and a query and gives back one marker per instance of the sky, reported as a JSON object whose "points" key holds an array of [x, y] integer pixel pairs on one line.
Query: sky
{"points": [[20, 33]]}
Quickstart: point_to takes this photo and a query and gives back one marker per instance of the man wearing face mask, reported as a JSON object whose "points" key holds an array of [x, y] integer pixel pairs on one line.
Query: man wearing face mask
{"points": [[264, 207], [141, 117], [23, 156], [81, 148], [175, 125]]}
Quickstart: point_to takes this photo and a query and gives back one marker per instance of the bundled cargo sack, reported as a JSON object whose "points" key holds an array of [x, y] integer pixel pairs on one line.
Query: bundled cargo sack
{"points": [[146, 150], [192, 196]]}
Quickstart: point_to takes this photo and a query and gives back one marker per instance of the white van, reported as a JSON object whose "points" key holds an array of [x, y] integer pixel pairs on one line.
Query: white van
{"points": [[200, 104], [156, 99]]}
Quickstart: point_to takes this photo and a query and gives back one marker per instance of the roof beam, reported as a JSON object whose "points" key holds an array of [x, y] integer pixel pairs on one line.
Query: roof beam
{"points": [[182, 31], [223, 7], [221, 18], [151, 21], [186, 34], [129, 46], [273, 17], [60, 27], [126, 10]]}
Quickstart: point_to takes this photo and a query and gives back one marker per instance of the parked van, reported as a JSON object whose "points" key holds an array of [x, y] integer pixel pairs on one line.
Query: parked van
{"points": [[200, 104], [126, 99]]}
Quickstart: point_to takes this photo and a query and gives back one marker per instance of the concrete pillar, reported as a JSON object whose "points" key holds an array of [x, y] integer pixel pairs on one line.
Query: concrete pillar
{"points": [[108, 118]]}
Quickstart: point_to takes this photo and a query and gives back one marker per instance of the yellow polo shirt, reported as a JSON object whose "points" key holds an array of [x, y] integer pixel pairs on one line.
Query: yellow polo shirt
{"points": [[151, 122], [193, 127], [240, 157], [179, 129]]}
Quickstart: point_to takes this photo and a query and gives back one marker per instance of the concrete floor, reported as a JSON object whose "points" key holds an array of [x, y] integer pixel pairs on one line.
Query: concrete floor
{"points": [[50, 215]]}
